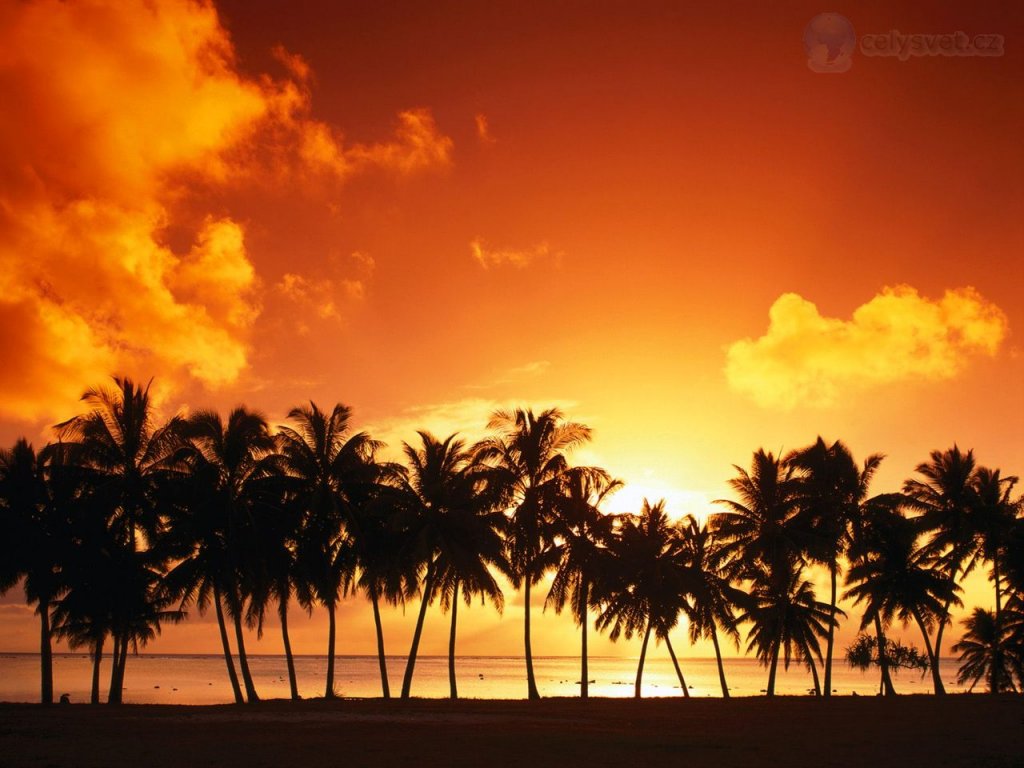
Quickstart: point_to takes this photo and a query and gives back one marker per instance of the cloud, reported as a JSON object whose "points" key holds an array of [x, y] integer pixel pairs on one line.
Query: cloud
{"points": [[483, 129], [467, 416], [488, 257], [114, 113], [326, 297], [807, 359]]}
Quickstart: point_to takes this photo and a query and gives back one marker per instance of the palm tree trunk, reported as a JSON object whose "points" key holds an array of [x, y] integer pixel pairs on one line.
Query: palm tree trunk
{"points": [[282, 610], [936, 680], [640, 667], [410, 664], [718, 657], [97, 660], [883, 660], [833, 572], [997, 656], [531, 679], [451, 644], [382, 659], [814, 675], [243, 659], [232, 675], [45, 653], [115, 658], [584, 668], [773, 669], [331, 636], [122, 662], [675, 663]]}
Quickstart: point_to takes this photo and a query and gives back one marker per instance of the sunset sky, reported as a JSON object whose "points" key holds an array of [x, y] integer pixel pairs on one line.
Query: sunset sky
{"points": [[657, 218]]}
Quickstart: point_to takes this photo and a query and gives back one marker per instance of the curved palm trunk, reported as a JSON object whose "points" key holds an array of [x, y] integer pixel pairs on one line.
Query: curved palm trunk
{"points": [[454, 691], [773, 669], [115, 659], [243, 659], [232, 675], [675, 663], [883, 660], [936, 680], [410, 664], [382, 659], [122, 662], [718, 658], [640, 667], [584, 668], [282, 610], [995, 683], [833, 572], [45, 653], [331, 637], [814, 675], [97, 660], [531, 679]]}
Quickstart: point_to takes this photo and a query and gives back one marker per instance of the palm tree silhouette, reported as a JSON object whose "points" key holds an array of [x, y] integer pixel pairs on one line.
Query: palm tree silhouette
{"points": [[756, 531], [895, 579], [32, 532], [213, 534], [129, 460], [583, 534], [786, 619], [982, 653], [320, 451], [713, 598], [645, 591], [529, 453], [945, 497], [829, 491]]}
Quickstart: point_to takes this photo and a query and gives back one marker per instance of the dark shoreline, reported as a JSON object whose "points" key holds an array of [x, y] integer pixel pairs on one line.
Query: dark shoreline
{"points": [[913, 730]]}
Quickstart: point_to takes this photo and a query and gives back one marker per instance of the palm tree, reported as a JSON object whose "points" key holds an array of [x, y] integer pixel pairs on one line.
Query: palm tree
{"points": [[787, 619], [530, 453], [830, 490], [713, 598], [453, 506], [982, 653], [897, 580], [756, 531], [325, 458], [31, 534], [226, 458], [945, 497], [646, 587], [386, 571], [583, 535], [127, 458]]}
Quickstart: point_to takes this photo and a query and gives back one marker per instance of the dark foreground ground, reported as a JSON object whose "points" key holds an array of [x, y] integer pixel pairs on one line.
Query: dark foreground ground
{"points": [[907, 731]]}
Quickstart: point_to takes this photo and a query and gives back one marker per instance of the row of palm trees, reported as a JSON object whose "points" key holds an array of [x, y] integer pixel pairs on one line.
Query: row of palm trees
{"points": [[123, 523]]}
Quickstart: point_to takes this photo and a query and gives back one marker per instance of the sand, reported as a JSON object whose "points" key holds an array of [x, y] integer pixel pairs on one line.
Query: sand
{"points": [[956, 730]]}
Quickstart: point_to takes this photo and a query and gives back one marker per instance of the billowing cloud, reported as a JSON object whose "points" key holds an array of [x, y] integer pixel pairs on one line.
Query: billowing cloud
{"points": [[807, 359], [519, 258], [112, 112]]}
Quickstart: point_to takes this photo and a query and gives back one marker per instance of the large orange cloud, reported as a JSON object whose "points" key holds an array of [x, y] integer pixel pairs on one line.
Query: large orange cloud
{"points": [[111, 111], [807, 359]]}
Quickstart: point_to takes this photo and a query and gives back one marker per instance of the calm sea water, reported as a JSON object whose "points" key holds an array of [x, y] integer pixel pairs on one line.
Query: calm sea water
{"points": [[160, 679]]}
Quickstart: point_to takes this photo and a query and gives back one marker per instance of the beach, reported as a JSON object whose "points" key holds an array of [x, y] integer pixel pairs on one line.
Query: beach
{"points": [[955, 730]]}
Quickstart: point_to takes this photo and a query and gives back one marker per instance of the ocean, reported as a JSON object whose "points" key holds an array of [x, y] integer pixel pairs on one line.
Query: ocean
{"points": [[202, 679]]}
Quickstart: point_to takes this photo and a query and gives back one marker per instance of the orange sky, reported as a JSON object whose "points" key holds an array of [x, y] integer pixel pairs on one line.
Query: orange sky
{"points": [[658, 218]]}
